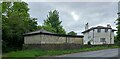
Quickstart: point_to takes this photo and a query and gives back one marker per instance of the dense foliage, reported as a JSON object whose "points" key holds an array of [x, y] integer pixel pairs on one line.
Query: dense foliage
{"points": [[72, 33], [15, 22], [53, 24], [118, 32]]}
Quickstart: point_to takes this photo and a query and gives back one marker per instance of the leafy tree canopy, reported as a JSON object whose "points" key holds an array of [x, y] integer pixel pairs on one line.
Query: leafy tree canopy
{"points": [[72, 33], [53, 23], [15, 22], [118, 31]]}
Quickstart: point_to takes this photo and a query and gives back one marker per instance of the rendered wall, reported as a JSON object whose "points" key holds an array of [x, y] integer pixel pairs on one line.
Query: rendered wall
{"points": [[51, 39], [96, 40]]}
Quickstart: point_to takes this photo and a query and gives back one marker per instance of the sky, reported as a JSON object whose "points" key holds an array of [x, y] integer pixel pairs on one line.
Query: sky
{"points": [[69, 0], [74, 15]]}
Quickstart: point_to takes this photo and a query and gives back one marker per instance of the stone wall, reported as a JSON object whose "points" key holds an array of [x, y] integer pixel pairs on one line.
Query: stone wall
{"points": [[52, 46], [51, 39], [34, 39], [64, 46]]}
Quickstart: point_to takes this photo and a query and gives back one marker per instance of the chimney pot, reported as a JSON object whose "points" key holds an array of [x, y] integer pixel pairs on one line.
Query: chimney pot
{"points": [[86, 26], [108, 25]]}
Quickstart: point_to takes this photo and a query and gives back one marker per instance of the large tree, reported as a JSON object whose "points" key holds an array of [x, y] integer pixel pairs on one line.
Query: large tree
{"points": [[15, 22], [72, 33], [53, 23], [118, 31]]}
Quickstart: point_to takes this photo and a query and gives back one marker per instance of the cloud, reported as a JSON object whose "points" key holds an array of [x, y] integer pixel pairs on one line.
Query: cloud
{"points": [[75, 16], [71, 0]]}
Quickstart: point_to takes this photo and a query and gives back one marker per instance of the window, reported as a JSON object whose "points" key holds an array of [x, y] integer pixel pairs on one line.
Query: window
{"points": [[99, 30], [102, 40], [106, 30]]}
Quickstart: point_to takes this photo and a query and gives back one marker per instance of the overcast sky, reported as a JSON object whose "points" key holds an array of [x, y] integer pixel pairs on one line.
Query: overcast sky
{"points": [[74, 15]]}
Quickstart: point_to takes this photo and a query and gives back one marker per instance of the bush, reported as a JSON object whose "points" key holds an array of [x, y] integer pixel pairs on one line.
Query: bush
{"points": [[118, 43]]}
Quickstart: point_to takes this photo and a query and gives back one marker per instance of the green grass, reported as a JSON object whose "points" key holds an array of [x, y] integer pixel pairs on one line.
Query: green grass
{"points": [[39, 52]]}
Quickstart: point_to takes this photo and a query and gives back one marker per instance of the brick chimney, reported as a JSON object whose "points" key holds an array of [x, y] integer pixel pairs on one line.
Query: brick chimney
{"points": [[86, 26], [108, 25]]}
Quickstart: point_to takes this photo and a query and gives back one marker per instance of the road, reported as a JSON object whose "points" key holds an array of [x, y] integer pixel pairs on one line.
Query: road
{"points": [[100, 53]]}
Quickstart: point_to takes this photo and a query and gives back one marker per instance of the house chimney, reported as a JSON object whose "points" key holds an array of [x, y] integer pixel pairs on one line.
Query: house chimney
{"points": [[108, 25], [86, 26]]}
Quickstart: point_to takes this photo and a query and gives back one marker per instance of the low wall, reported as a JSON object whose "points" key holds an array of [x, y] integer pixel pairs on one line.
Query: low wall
{"points": [[60, 46], [52, 46]]}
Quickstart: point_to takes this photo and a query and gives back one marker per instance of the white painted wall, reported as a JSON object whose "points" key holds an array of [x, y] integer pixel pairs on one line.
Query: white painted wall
{"points": [[96, 40]]}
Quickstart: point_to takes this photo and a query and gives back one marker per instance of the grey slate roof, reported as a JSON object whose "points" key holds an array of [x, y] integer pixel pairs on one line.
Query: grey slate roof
{"points": [[98, 27], [42, 31], [39, 31]]}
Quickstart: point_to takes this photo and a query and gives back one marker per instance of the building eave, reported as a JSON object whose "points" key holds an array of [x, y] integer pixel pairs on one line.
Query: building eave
{"points": [[98, 27], [49, 33]]}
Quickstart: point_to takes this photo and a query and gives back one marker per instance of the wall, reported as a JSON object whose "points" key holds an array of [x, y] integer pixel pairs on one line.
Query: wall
{"points": [[76, 40], [60, 46], [34, 39], [88, 36], [96, 40], [51, 39], [105, 35], [52, 46]]}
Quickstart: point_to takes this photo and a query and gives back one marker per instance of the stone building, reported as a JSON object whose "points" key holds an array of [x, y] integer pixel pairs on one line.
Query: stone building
{"points": [[44, 37]]}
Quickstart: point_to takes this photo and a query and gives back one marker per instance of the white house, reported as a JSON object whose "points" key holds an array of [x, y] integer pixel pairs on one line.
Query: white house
{"points": [[98, 35]]}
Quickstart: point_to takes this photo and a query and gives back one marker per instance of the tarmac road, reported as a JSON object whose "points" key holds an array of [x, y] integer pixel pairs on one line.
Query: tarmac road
{"points": [[99, 53]]}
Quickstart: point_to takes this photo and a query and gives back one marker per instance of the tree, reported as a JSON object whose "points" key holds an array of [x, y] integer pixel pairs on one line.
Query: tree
{"points": [[118, 31], [0, 17], [72, 33], [15, 22], [53, 24]]}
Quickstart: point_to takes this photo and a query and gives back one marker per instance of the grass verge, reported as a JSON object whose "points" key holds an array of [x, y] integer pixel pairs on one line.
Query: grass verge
{"points": [[39, 52]]}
